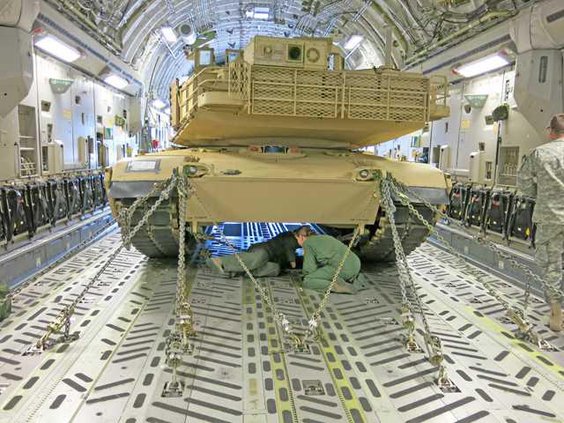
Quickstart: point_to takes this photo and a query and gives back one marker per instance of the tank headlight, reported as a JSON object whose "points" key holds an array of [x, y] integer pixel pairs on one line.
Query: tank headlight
{"points": [[364, 175], [196, 171]]}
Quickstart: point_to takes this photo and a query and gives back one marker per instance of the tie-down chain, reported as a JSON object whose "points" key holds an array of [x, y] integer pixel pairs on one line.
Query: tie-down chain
{"points": [[299, 341], [517, 316], [432, 342], [178, 342], [62, 322]]}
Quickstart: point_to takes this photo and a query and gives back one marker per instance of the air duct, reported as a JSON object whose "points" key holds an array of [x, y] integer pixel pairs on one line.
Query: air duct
{"points": [[538, 33], [16, 66], [19, 13]]}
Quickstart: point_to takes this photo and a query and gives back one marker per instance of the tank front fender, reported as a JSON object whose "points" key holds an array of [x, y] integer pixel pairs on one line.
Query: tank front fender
{"points": [[131, 189]]}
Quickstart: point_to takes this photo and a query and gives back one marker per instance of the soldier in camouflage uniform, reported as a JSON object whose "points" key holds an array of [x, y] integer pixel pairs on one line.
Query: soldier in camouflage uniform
{"points": [[542, 176]]}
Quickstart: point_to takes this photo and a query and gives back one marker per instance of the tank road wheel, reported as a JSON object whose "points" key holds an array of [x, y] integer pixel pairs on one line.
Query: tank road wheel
{"points": [[380, 247], [158, 238]]}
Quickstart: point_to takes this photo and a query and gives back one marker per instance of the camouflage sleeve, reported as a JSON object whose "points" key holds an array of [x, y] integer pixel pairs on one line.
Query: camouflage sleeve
{"points": [[526, 177]]}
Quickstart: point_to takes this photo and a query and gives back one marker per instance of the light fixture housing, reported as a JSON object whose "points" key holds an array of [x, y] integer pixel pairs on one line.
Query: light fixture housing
{"points": [[258, 12], [353, 42], [57, 48], [190, 39], [157, 103], [116, 81], [169, 34], [482, 65]]}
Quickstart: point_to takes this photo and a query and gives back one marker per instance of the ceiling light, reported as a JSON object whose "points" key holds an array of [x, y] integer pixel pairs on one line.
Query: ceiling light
{"points": [[258, 12], [353, 41], [116, 81], [158, 103], [483, 65], [57, 48], [169, 34]]}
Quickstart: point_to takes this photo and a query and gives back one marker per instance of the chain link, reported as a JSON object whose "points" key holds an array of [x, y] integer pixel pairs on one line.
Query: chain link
{"points": [[184, 314], [432, 230]]}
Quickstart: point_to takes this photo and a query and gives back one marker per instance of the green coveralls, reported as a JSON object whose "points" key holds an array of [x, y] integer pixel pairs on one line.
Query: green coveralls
{"points": [[322, 255]]}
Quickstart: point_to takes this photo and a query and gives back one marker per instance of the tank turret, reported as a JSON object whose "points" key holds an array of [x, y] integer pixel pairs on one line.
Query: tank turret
{"points": [[270, 136], [297, 88]]}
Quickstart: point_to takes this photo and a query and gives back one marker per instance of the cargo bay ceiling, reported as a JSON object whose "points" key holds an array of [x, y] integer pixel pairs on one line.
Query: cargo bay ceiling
{"points": [[132, 29]]}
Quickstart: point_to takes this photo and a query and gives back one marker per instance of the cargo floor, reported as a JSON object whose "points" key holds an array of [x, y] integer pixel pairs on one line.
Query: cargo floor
{"points": [[240, 369]]}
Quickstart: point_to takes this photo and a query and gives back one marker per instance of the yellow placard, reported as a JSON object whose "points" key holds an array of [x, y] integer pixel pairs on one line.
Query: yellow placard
{"points": [[109, 121], [465, 124]]}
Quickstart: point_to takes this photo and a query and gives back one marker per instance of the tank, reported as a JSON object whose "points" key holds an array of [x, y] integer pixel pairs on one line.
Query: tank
{"points": [[276, 134]]}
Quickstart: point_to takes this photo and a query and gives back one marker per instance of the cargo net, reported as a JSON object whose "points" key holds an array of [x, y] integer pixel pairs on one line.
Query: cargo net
{"points": [[386, 95]]}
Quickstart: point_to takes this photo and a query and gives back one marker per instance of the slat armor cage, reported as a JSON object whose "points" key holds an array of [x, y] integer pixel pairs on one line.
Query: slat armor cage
{"points": [[371, 94]]}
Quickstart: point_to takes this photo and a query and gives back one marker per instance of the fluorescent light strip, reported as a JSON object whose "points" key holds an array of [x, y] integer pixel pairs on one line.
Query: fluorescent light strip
{"points": [[483, 65], [169, 34], [258, 12], [116, 81], [158, 103], [57, 48]]}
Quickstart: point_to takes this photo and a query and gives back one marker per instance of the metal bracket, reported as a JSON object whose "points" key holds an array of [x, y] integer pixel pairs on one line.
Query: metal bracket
{"points": [[313, 387], [173, 389], [297, 344], [446, 385], [410, 344], [33, 350]]}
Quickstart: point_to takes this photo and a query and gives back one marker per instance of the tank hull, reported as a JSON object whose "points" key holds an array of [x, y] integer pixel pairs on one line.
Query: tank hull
{"points": [[320, 186], [244, 185]]}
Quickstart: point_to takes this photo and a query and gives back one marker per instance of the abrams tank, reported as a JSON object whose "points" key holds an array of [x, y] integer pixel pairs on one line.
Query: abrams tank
{"points": [[275, 134]]}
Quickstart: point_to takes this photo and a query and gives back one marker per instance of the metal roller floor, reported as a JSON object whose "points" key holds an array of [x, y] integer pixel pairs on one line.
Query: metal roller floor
{"points": [[239, 370]]}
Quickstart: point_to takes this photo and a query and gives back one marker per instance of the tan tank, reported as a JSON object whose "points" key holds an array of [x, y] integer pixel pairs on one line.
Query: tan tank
{"points": [[273, 136]]}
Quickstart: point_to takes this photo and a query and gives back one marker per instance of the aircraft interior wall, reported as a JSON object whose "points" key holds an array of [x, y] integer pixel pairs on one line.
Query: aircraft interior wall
{"points": [[466, 128], [86, 113]]}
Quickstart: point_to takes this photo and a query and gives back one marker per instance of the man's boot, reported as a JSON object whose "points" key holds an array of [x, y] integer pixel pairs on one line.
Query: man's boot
{"points": [[341, 287], [555, 320]]}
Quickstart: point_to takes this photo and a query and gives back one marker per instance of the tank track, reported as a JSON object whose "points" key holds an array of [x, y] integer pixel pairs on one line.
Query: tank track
{"points": [[157, 239], [380, 247]]}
